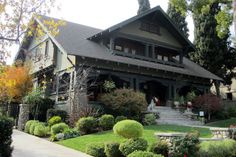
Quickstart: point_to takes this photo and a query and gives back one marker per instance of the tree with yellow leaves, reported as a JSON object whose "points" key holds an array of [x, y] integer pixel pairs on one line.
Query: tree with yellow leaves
{"points": [[15, 83]]}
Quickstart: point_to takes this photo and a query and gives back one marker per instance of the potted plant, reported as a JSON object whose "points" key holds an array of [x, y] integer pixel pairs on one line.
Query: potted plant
{"points": [[189, 98], [177, 101]]}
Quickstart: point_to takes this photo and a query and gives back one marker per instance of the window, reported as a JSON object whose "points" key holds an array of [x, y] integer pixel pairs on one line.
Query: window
{"points": [[150, 27], [37, 56], [46, 48]]}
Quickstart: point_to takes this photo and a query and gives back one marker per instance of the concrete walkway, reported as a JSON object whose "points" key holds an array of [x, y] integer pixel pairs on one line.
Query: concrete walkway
{"points": [[26, 145]]}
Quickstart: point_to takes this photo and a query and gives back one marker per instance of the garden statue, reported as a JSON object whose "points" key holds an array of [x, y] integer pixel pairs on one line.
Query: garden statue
{"points": [[144, 5]]}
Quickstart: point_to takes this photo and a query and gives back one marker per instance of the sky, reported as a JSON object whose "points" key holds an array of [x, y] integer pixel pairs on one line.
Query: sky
{"points": [[105, 13], [102, 13]]}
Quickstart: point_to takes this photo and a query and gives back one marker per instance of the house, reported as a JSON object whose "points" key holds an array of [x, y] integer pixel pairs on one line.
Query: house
{"points": [[146, 52]]}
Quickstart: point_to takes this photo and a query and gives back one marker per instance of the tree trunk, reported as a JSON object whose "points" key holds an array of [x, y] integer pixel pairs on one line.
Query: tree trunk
{"points": [[234, 12]]}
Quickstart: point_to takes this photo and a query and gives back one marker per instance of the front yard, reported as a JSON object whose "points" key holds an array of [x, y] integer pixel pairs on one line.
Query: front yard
{"points": [[223, 123], [80, 143]]}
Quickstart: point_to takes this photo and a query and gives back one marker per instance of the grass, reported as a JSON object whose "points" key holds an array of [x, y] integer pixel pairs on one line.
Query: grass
{"points": [[223, 123], [80, 143]]}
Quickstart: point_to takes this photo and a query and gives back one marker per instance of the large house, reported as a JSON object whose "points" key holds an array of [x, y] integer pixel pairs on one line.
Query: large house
{"points": [[146, 52]]}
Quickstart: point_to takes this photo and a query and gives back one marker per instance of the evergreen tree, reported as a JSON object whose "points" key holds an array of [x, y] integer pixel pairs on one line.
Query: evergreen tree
{"points": [[178, 18], [213, 52]]}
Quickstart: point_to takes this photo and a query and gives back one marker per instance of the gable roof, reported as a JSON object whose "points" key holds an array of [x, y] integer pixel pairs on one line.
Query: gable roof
{"points": [[161, 15], [73, 40]]}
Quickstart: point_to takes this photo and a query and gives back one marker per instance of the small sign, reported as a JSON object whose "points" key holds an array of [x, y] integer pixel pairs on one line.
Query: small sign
{"points": [[201, 113]]}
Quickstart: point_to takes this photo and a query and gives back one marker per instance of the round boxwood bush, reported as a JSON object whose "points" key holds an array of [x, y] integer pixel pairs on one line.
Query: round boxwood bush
{"points": [[59, 128], [149, 119], [132, 145], [128, 129], [120, 118], [160, 147], [54, 120], [32, 127], [112, 149], [106, 122], [40, 130], [86, 125], [28, 124], [96, 149], [143, 154]]}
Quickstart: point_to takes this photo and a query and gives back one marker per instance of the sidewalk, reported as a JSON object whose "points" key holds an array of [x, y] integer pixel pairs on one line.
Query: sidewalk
{"points": [[26, 145]]}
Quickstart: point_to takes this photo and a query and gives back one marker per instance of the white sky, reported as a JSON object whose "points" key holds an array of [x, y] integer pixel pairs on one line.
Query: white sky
{"points": [[102, 13]]}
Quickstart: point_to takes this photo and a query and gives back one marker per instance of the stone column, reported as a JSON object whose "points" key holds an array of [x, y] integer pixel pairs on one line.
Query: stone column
{"points": [[23, 116]]}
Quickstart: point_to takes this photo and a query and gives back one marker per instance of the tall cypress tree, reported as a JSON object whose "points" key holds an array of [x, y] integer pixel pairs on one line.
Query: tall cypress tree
{"points": [[213, 52], [178, 18]]}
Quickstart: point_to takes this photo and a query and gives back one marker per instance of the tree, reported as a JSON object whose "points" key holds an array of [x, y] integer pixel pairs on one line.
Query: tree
{"points": [[17, 19], [209, 103], [234, 7], [15, 83], [212, 19], [178, 18], [144, 5]]}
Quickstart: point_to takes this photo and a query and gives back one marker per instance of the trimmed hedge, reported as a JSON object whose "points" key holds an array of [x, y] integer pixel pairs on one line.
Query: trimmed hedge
{"points": [[112, 150], [106, 122], [40, 130], [96, 150], [28, 124], [59, 128], [132, 145], [226, 148], [6, 126], [144, 154], [54, 112], [54, 120], [86, 125], [32, 127], [149, 119], [128, 129]]}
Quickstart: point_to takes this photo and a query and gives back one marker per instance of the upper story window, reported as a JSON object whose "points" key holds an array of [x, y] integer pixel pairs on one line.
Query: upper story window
{"points": [[150, 27], [36, 56]]}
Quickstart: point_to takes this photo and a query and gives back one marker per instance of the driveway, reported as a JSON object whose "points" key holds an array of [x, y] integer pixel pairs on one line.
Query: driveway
{"points": [[26, 145]]}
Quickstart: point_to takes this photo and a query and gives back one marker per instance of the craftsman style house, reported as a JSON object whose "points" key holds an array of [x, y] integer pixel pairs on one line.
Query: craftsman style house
{"points": [[146, 52]]}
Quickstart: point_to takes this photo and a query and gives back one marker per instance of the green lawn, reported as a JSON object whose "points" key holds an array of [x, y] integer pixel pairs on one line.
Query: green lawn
{"points": [[223, 123], [80, 143]]}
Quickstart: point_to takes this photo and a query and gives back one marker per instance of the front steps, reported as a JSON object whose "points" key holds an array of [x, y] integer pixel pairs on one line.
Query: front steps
{"points": [[169, 115]]}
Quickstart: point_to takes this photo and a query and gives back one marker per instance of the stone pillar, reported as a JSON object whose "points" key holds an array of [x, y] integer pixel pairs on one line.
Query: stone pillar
{"points": [[23, 116]]}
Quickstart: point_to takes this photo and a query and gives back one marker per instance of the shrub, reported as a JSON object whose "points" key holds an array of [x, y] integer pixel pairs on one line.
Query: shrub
{"points": [[160, 147], [71, 133], [106, 122], [226, 148], [149, 119], [59, 128], [6, 126], [54, 112], [28, 124], [54, 120], [112, 150], [209, 103], [188, 145], [96, 150], [128, 129], [231, 112], [32, 127], [125, 102], [132, 145], [86, 125], [120, 118], [143, 154], [40, 130]]}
